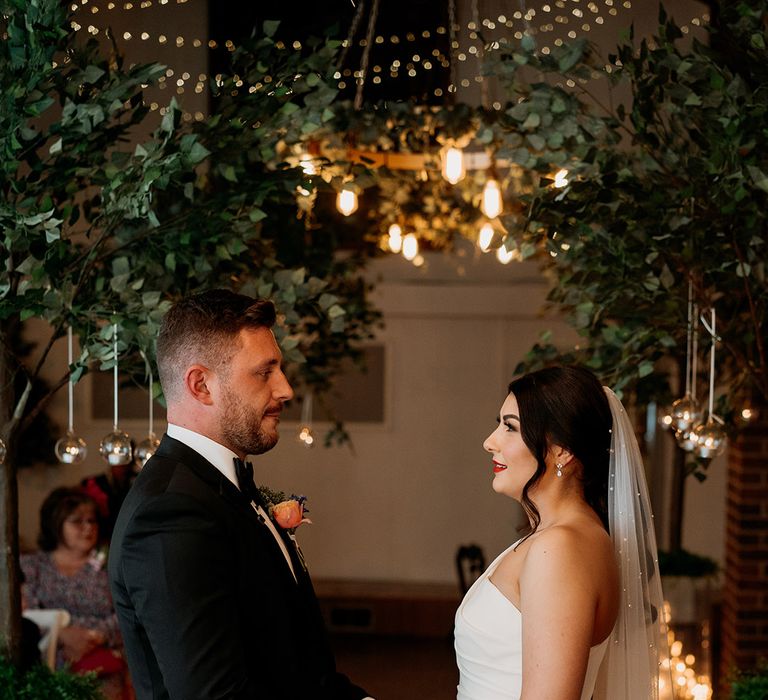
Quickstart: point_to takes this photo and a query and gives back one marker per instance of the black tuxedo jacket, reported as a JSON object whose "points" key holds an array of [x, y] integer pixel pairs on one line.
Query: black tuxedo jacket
{"points": [[206, 602]]}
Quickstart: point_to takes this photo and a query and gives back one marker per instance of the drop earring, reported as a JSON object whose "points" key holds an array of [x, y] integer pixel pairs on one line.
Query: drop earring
{"points": [[559, 468]]}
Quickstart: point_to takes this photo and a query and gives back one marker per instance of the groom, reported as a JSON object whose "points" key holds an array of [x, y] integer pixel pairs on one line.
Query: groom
{"points": [[212, 597]]}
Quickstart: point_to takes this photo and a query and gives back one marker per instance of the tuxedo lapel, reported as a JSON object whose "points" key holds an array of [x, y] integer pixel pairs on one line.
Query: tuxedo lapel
{"points": [[170, 447]]}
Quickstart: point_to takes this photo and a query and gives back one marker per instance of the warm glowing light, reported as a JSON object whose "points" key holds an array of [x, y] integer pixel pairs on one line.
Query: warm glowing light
{"points": [[395, 240], [505, 256], [307, 165], [746, 414], [561, 178], [453, 165], [485, 237], [410, 246], [346, 201], [418, 261], [492, 204]]}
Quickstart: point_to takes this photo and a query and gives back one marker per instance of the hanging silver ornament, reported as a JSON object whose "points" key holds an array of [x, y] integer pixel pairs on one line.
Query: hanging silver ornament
{"points": [[685, 412], [685, 439], [145, 449], [711, 440], [70, 449], [116, 448]]}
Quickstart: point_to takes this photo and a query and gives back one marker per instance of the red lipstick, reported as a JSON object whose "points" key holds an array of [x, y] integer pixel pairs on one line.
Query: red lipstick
{"points": [[498, 467]]}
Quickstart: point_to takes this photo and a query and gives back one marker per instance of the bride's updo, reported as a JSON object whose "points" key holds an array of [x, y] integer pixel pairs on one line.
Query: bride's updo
{"points": [[566, 406]]}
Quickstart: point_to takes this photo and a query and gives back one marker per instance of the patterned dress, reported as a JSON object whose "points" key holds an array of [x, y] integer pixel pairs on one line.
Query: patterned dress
{"points": [[84, 595]]}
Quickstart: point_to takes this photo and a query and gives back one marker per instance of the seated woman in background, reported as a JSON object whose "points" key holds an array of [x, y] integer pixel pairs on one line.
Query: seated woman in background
{"points": [[66, 574]]}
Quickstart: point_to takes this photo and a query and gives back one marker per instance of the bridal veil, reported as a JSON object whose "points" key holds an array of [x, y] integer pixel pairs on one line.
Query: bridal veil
{"points": [[630, 670]]}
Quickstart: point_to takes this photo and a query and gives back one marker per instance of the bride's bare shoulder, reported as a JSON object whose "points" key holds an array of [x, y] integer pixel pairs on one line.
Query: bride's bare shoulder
{"points": [[567, 547]]}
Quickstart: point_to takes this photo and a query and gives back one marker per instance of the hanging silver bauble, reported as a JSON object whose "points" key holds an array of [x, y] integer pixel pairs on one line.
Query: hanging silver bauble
{"points": [[71, 449], [3, 452], [116, 448], [686, 439], [145, 449], [711, 439], [686, 413]]}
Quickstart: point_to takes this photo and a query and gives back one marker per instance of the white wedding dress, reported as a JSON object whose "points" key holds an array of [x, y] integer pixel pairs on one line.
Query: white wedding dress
{"points": [[489, 645]]}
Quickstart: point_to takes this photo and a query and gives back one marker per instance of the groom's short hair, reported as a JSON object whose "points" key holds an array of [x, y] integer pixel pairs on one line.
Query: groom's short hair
{"points": [[203, 328]]}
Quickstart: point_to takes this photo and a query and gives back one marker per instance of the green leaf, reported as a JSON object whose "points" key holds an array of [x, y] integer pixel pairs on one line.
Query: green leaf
{"points": [[92, 74], [270, 27]]}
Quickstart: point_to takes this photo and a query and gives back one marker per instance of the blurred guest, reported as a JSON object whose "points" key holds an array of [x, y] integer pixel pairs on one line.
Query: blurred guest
{"points": [[66, 574], [109, 490]]}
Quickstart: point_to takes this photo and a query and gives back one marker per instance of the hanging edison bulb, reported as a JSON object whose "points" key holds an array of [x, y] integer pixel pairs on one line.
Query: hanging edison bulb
{"points": [[307, 164], [410, 246], [505, 256], [346, 201], [492, 204], [116, 447], [485, 237], [561, 178], [710, 439], [70, 449], [453, 169], [395, 238]]}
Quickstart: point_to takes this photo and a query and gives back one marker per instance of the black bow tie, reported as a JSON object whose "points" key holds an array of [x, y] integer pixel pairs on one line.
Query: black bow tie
{"points": [[244, 473]]}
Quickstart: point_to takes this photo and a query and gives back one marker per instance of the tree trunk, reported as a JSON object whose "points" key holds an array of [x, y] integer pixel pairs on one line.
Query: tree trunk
{"points": [[10, 591], [677, 501]]}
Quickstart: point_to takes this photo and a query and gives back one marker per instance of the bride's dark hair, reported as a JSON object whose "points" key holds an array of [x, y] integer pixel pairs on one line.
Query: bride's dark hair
{"points": [[566, 406]]}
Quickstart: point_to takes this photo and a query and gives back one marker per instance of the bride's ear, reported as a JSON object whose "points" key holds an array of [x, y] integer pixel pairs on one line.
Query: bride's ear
{"points": [[561, 455]]}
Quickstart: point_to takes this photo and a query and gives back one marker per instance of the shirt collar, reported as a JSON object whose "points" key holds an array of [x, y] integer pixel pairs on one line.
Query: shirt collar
{"points": [[219, 456]]}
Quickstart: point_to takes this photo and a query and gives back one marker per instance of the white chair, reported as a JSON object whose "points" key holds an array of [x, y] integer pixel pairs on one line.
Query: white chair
{"points": [[49, 622]]}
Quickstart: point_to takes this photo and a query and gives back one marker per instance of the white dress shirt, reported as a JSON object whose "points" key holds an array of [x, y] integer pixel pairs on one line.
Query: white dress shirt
{"points": [[223, 459]]}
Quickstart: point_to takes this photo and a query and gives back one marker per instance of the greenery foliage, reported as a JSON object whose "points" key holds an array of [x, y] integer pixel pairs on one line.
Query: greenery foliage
{"points": [[40, 682], [750, 685], [683, 563]]}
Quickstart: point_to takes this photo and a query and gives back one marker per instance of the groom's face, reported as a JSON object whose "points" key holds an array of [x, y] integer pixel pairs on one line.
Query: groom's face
{"points": [[252, 391]]}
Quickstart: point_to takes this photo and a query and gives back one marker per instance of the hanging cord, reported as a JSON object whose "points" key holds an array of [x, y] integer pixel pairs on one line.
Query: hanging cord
{"points": [[114, 373], [70, 387], [712, 330], [352, 31], [366, 54], [695, 353], [688, 342]]}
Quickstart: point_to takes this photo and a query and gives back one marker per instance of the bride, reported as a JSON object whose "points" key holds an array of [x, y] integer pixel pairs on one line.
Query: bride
{"points": [[571, 610]]}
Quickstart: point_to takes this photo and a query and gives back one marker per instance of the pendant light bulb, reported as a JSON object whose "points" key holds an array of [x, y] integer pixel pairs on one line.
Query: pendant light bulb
{"points": [[453, 165], [492, 204], [395, 240], [561, 178], [346, 201], [116, 448], [485, 237], [410, 246], [307, 164], [505, 256]]}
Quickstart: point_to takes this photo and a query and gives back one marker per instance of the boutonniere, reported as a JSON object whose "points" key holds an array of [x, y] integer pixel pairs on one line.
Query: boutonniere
{"points": [[287, 512]]}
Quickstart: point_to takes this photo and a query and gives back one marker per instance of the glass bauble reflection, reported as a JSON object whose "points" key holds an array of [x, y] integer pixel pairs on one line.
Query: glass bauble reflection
{"points": [[145, 449], [711, 440], [116, 448], [3, 452], [306, 437], [686, 413], [71, 449], [686, 439]]}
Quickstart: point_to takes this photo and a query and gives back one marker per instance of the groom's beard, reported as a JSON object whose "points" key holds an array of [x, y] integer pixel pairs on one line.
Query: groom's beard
{"points": [[243, 426]]}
